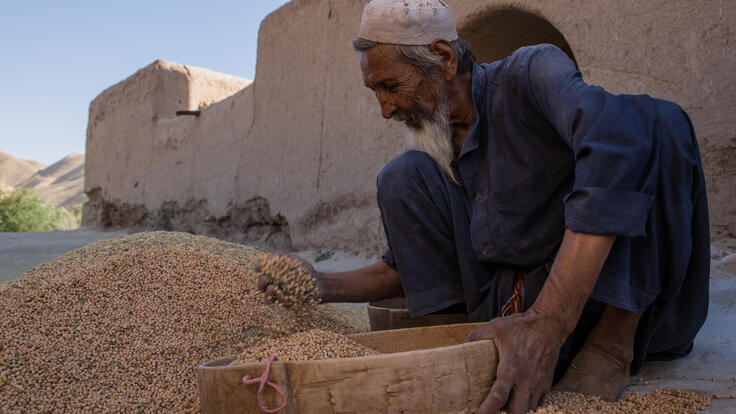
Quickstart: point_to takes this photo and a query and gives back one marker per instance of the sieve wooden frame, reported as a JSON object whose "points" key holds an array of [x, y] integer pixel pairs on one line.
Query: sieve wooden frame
{"points": [[420, 370]]}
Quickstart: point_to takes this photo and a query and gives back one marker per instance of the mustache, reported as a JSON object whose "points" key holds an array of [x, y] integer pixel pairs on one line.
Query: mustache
{"points": [[414, 118]]}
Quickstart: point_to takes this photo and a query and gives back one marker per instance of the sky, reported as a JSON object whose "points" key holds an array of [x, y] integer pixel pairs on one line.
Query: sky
{"points": [[57, 56]]}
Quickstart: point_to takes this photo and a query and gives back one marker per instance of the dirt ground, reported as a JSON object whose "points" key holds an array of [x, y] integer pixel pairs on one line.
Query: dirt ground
{"points": [[20, 252], [710, 368]]}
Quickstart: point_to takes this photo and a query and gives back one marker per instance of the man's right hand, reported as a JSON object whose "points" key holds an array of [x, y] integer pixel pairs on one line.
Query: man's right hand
{"points": [[370, 283], [265, 283]]}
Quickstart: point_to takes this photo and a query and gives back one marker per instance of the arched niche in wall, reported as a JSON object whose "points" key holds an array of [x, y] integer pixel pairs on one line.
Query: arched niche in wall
{"points": [[498, 33]]}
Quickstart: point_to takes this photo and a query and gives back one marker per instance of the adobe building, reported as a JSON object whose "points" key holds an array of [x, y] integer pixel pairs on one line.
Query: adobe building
{"points": [[291, 159]]}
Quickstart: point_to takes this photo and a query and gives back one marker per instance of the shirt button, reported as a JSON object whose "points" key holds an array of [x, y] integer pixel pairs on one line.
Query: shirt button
{"points": [[478, 197]]}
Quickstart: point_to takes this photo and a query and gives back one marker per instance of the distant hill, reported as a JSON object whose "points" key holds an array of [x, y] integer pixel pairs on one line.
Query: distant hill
{"points": [[13, 171], [60, 184]]}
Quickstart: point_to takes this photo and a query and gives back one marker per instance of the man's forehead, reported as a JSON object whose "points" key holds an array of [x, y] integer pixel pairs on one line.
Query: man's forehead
{"points": [[378, 61], [381, 52]]}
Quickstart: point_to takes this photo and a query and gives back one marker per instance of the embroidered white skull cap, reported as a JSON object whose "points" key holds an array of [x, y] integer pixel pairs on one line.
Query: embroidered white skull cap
{"points": [[407, 22]]}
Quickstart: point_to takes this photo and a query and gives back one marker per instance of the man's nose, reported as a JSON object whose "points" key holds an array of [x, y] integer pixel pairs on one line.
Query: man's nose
{"points": [[387, 106]]}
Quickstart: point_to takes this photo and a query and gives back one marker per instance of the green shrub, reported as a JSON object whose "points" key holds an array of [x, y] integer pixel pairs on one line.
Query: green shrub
{"points": [[23, 210], [77, 213], [63, 219]]}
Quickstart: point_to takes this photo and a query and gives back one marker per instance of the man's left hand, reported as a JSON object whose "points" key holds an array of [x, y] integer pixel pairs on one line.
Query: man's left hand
{"points": [[528, 347]]}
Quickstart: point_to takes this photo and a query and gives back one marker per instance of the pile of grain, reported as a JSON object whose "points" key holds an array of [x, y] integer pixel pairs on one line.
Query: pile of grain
{"points": [[120, 325], [310, 345], [658, 401], [289, 276]]}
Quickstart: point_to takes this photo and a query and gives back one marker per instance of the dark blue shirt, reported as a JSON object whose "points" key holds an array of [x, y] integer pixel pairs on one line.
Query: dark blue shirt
{"points": [[546, 151]]}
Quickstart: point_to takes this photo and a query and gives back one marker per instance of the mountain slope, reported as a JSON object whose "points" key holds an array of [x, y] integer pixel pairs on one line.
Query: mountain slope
{"points": [[13, 171], [60, 184]]}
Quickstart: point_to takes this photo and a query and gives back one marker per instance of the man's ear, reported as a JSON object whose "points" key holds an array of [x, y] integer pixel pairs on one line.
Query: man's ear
{"points": [[444, 49]]}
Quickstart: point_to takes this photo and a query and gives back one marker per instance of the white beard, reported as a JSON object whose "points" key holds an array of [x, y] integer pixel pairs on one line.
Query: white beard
{"points": [[434, 137]]}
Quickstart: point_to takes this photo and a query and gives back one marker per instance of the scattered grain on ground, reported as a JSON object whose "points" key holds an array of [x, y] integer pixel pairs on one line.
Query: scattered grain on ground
{"points": [[121, 325], [658, 401]]}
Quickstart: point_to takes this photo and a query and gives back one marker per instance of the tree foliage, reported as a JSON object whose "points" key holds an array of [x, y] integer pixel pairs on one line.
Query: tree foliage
{"points": [[23, 210]]}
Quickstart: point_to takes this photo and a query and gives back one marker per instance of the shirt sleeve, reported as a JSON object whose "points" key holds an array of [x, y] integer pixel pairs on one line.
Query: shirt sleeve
{"points": [[388, 258], [611, 137]]}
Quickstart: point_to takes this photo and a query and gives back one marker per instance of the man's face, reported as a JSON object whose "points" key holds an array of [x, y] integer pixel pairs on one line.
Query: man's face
{"points": [[421, 102], [403, 93]]}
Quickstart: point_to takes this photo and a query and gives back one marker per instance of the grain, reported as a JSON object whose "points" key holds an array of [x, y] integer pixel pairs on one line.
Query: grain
{"points": [[314, 344], [121, 325], [288, 275], [658, 401]]}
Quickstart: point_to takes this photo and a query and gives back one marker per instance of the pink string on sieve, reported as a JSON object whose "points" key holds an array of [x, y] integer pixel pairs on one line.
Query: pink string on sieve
{"points": [[263, 381]]}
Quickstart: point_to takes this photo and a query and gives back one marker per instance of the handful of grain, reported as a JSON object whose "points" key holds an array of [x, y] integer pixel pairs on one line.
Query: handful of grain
{"points": [[290, 276], [659, 401], [121, 325], [310, 345]]}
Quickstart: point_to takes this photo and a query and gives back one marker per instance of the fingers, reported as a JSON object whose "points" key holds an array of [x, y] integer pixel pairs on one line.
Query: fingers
{"points": [[274, 293], [542, 384], [475, 335], [494, 328], [499, 396], [299, 259], [263, 282], [525, 364], [496, 399], [269, 284], [479, 334], [271, 292], [535, 399], [293, 256], [520, 396]]}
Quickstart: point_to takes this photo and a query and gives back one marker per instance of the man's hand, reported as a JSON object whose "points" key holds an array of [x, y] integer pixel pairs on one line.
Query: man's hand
{"points": [[528, 348], [274, 293], [529, 343], [370, 283]]}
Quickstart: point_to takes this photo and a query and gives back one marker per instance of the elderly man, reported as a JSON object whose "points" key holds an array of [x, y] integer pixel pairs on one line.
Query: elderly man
{"points": [[572, 219]]}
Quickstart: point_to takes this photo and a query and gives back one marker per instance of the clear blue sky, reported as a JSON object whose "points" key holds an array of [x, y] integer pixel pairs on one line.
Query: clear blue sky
{"points": [[57, 56]]}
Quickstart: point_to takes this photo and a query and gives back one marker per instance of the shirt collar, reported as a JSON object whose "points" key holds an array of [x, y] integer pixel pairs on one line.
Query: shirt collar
{"points": [[479, 82]]}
